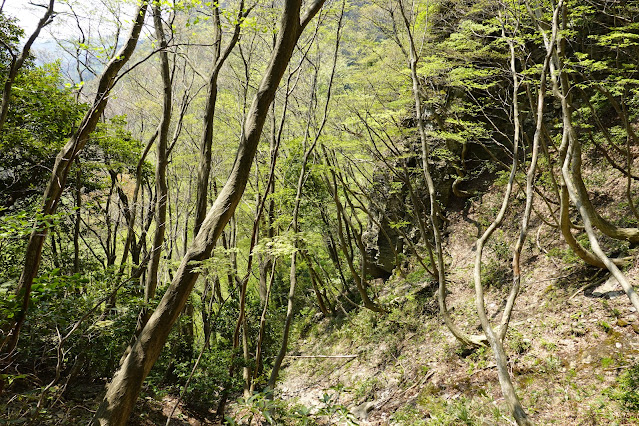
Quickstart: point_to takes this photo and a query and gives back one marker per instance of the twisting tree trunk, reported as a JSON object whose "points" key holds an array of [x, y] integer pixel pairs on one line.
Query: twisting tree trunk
{"points": [[432, 193], [530, 175], [564, 201], [161, 189], [562, 91], [495, 340], [123, 390], [60, 173], [571, 172], [204, 167]]}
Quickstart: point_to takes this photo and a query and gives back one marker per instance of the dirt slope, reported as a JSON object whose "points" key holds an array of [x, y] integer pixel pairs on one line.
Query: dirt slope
{"points": [[572, 336]]}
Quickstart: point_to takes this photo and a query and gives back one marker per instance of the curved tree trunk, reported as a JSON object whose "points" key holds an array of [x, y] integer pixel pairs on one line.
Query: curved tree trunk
{"points": [[123, 390], [432, 195], [530, 175], [204, 166], [161, 189], [60, 173], [571, 172], [495, 340]]}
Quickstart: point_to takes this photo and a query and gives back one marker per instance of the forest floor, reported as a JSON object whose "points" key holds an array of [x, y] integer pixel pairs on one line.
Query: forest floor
{"points": [[572, 342]]}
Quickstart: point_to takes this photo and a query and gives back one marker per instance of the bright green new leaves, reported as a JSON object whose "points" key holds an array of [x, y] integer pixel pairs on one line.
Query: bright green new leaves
{"points": [[42, 115]]}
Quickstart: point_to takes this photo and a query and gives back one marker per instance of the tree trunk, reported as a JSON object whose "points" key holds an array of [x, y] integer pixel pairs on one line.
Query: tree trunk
{"points": [[530, 176], [432, 194], [204, 166], [76, 225], [123, 390], [60, 172], [495, 340], [571, 172], [161, 189]]}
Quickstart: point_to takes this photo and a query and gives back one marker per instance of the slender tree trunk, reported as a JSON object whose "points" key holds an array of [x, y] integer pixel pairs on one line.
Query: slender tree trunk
{"points": [[260, 338], [161, 188], [123, 390], [204, 166], [432, 194], [530, 175], [494, 339], [60, 173], [296, 209], [266, 260], [76, 225], [54, 251], [130, 244], [315, 280]]}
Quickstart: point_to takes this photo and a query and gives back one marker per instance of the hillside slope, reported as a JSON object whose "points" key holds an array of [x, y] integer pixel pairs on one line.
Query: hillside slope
{"points": [[572, 344]]}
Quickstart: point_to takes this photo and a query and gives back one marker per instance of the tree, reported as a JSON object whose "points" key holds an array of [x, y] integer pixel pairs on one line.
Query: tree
{"points": [[61, 169], [43, 113], [125, 386]]}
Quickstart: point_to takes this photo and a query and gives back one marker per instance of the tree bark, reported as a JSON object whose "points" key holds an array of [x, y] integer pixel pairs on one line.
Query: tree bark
{"points": [[530, 176], [495, 340], [61, 169], [76, 225], [204, 166], [123, 390], [432, 194], [571, 172], [161, 189]]}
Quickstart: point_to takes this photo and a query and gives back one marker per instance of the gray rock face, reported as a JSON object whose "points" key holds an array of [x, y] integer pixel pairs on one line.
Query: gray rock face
{"points": [[398, 197], [395, 197], [382, 239]]}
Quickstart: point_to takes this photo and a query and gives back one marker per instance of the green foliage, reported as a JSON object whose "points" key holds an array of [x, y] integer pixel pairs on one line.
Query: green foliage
{"points": [[517, 342], [262, 408], [58, 302], [112, 145], [42, 115], [466, 89], [259, 407], [430, 410], [208, 380], [10, 35], [333, 411], [627, 390], [14, 229]]}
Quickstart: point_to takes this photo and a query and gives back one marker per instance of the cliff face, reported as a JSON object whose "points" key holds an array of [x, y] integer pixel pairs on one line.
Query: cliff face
{"points": [[399, 205]]}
